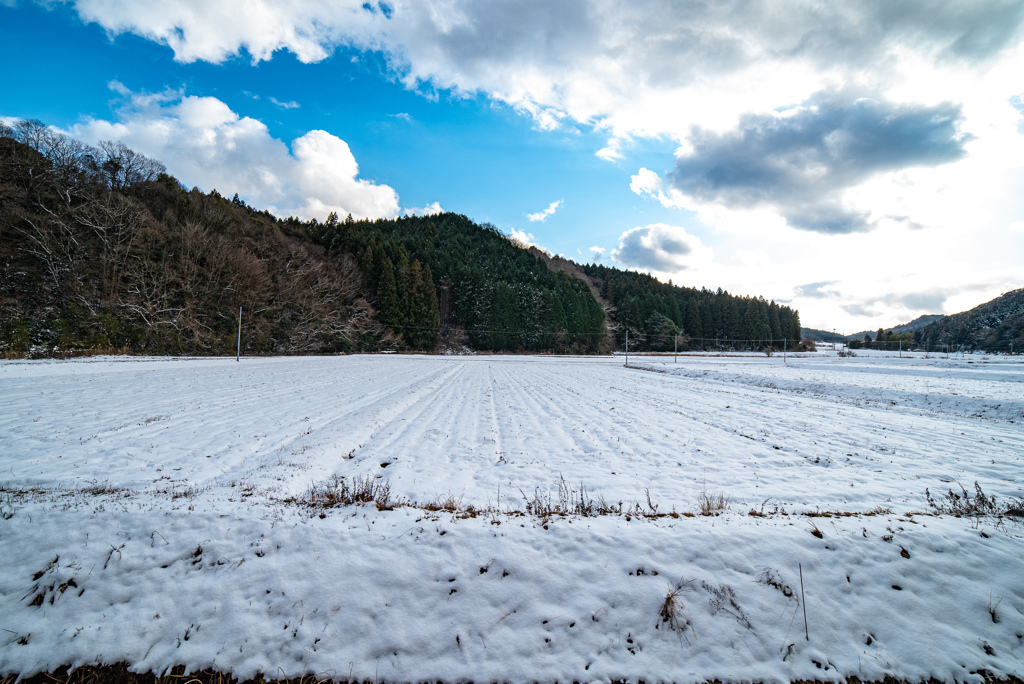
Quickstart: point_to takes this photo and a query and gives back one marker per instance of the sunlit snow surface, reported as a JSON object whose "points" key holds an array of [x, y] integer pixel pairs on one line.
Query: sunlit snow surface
{"points": [[160, 487]]}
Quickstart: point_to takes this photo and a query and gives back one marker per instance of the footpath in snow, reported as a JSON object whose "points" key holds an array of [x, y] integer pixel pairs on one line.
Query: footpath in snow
{"points": [[166, 512]]}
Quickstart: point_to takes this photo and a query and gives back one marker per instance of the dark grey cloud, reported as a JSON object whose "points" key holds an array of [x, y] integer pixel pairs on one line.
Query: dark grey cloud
{"points": [[906, 221], [922, 301], [859, 309], [472, 45], [932, 300], [675, 42], [658, 247], [980, 30], [851, 34], [926, 301], [799, 164], [815, 290]]}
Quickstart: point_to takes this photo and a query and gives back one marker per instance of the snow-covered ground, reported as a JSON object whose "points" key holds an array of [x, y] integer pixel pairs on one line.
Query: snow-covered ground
{"points": [[153, 513]]}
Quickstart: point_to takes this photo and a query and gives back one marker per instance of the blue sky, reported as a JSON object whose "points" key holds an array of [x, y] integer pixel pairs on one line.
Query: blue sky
{"points": [[858, 162], [464, 151]]}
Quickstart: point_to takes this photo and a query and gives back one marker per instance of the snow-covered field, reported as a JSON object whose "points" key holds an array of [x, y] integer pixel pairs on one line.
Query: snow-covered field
{"points": [[153, 512]]}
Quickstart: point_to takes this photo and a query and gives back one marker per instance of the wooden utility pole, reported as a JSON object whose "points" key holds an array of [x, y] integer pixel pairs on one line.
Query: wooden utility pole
{"points": [[238, 349]]}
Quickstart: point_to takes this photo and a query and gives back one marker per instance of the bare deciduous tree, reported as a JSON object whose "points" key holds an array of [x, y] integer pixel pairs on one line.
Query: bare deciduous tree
{"points": [[121, 167]]}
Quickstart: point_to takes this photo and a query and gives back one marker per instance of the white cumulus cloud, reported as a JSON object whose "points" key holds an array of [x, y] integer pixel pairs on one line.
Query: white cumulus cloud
{"points": [[203, 142], [429, 210], [542, 215], [522, 238], [647, 182], [292, 104]]}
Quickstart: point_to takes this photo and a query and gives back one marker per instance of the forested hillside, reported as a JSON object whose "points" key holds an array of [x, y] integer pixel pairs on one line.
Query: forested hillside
{"points": [[102, 250], [491, 293], [655, 312], [996, 326]]}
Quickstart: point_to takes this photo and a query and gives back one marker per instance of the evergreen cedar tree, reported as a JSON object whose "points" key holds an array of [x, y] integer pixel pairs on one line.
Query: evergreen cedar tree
{"points": [[100, 249]]}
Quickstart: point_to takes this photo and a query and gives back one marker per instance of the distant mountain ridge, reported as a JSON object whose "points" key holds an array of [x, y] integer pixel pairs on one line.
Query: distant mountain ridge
{"points": [[916, 324], [995, 326], [822, 335]]}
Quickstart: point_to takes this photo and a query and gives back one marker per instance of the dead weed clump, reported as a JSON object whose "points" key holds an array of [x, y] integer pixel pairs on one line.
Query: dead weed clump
{"points": [[671, 612], [723, 599], [773, 578], [337, 491], [569, 501], [877, 510], [710, 503], [981, 505], [448, 503]]}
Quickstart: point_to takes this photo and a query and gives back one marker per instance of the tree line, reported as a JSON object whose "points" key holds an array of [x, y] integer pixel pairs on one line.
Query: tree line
{"points": [[655, 313], [883, 339]]}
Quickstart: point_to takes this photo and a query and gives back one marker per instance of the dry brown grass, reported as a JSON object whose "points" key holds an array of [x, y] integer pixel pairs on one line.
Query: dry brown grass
{"points": [[671, 612], [710, 503], [449, 503], [877, 510], [337, 491]]}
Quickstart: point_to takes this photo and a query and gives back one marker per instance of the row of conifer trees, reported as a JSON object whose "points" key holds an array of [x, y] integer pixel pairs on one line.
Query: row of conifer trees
{"points": [[655, 312]]}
